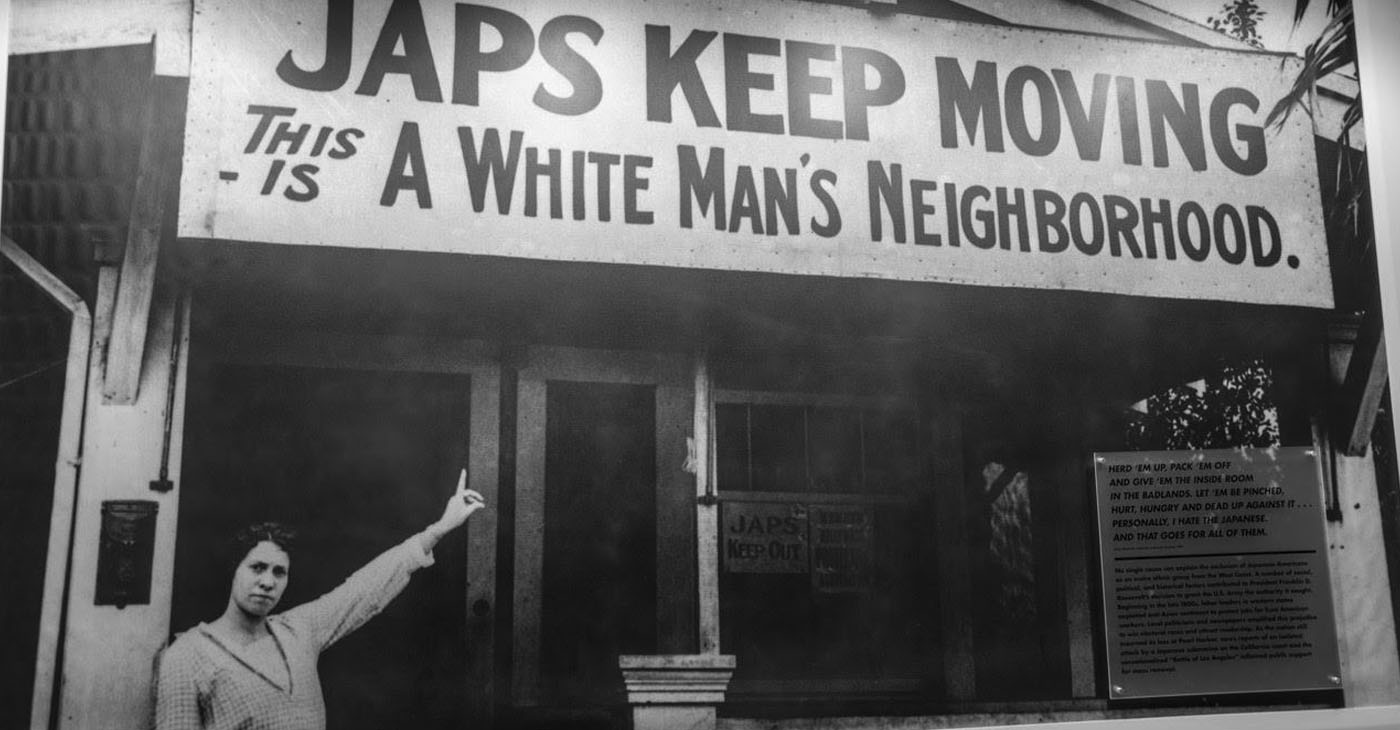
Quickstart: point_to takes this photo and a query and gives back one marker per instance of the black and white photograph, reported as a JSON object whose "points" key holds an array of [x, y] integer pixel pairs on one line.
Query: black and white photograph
{"points": [[699, 364]]}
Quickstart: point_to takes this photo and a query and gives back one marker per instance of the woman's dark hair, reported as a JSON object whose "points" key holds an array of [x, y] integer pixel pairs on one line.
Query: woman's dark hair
{"points": [[248, 538]]}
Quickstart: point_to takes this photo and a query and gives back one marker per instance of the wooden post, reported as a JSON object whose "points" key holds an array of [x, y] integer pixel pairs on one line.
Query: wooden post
{"points": [[482, 602], [529, 537], [955, 597], [1075, 568], [108, 651], [675, 523], [1363, 386], [157, 173], [706, 514]]}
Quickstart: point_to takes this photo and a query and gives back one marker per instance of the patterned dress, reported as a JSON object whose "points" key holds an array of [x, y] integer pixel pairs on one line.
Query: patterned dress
{"points": [[273, 684]]}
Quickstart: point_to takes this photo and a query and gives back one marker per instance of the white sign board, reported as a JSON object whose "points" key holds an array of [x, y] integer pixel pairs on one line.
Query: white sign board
{"points": [[785, 137]]}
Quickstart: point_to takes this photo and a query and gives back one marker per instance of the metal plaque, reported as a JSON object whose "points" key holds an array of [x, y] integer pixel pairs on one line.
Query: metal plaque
{"points": [[1215, 576], [125, 552]]}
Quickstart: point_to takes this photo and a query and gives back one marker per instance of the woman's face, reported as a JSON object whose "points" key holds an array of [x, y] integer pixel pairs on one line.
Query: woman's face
{"points": [[260, 578]]}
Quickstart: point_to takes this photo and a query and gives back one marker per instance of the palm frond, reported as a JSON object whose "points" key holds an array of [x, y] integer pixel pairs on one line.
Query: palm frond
{"points": [[1300, 8], [1333, 50]]}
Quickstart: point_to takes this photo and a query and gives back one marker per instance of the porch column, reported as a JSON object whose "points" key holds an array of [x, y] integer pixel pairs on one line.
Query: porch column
{"points": [[706, 512], [682, 690], [110, 644], [675, 692]]}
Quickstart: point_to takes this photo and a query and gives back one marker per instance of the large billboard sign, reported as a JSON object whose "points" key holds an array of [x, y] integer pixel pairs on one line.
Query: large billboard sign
{"points": [[783, 136]]}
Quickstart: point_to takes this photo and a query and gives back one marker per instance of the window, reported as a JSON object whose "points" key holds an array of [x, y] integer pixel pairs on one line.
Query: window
{"points": [[826, 543]]}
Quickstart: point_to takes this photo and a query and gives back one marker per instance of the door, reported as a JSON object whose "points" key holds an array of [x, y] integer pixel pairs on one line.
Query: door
{"points": [[599, 580], [357, 458], [604, 535]]}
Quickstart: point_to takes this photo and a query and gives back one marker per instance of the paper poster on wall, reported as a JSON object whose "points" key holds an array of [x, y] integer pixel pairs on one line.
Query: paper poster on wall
{"points": [[843, 548], [1215, 574]]}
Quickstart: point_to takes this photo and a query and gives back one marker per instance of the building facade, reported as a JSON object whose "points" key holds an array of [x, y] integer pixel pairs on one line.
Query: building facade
{"points": [[795, 346]]}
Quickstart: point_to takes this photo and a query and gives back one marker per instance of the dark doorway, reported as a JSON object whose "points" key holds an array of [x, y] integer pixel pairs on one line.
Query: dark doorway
{"points": [[599, 539], [357, 461], [31, 400]]}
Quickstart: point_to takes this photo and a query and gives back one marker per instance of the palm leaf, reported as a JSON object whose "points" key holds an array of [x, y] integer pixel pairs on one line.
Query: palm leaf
{"points": [[1300, 8], [1333, 50]]}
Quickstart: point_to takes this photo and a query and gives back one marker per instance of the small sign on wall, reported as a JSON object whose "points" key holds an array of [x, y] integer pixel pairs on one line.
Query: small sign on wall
{"points": [[765, 537], [843, 552], [833, 543], [126, 549], [1215, 575]]}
